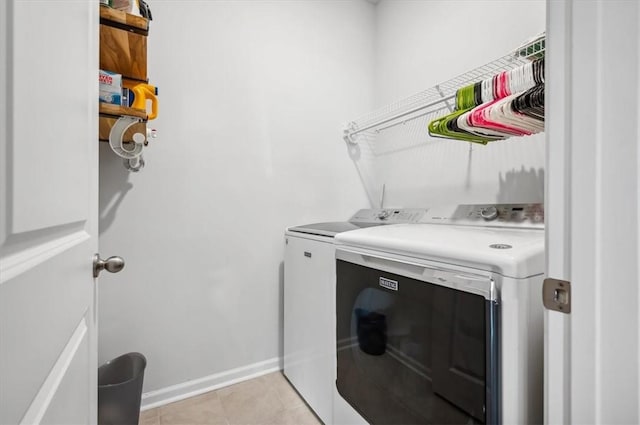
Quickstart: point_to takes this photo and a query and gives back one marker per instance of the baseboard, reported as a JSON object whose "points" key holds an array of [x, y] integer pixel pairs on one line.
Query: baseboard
{"points": [[199, 386]]}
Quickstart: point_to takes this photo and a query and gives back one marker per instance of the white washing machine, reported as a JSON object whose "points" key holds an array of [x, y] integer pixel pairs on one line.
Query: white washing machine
{"points": [[442, 322], [309, 320]]}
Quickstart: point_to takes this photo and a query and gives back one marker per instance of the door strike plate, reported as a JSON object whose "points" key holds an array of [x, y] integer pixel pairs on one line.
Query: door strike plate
{"points": [[556, 295]]}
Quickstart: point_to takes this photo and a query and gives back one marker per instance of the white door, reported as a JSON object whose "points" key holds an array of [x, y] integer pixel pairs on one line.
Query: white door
{"points": [[592, 355], [48, 211]]}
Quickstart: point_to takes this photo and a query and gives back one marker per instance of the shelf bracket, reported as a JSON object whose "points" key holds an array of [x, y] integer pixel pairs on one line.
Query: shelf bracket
{"points": [[445, 99], [350, 134]]}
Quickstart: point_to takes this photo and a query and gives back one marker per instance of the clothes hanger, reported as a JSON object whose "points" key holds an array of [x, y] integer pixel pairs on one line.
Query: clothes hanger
{"points": [[511, 103]]}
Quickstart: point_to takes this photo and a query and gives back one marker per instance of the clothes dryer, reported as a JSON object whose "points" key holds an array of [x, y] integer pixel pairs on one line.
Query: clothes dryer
{"points": [[309, 320], [442, 321]]}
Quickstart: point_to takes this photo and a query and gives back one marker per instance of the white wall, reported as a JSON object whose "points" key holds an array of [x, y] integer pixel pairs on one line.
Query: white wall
{"points": [[253, 96], [423, 43]]}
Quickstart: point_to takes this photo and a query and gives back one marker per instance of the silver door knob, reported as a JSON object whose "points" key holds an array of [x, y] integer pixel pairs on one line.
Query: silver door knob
{"points": [[112, 264]]}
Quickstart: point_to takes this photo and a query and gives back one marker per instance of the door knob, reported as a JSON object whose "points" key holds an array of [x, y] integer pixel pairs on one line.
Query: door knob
{"points": [[112, 264]]}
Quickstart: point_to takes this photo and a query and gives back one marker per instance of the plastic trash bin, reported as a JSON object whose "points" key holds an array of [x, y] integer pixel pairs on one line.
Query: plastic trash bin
{"points": [[120, 389]]}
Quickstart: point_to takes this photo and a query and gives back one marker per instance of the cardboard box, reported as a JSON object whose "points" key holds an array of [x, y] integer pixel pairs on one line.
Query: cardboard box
{"points": [[110, 87]]}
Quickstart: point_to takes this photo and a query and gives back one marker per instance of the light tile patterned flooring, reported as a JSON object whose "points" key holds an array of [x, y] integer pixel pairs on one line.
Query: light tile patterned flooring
{"points": [[268, 400]]}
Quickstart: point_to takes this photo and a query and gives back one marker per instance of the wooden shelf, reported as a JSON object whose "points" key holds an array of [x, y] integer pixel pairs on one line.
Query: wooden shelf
{"points": [[117, 111], [123, 50], [119, 18]]}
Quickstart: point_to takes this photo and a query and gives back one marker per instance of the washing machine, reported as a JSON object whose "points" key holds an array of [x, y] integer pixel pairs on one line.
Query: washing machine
{"points": [[441, 322], [309, 320]]}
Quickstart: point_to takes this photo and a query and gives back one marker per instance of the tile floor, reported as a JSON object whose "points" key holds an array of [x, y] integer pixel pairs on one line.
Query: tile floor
{"points": [[268, 400]]}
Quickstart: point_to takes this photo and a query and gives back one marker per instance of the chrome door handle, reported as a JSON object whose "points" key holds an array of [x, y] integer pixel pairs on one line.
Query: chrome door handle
{"points": [[112, 264]]}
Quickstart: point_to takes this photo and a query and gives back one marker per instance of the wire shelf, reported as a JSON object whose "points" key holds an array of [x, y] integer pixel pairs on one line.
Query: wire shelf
{"points": [[438, 100]]}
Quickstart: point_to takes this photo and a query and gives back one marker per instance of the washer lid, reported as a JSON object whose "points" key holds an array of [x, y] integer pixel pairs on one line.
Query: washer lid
{"points": [[516, 253], [330, 229]]}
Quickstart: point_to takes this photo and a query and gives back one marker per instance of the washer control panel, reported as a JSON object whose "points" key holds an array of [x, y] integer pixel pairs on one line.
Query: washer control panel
{"points": [[389, 215], [492, 215]]}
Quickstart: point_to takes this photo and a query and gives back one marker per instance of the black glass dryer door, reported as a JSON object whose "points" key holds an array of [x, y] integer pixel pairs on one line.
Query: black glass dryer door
{"points": [[408, 351], [458, 349]]}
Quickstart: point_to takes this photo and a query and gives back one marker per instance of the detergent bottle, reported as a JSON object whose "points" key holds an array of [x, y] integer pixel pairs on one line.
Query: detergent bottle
{"points": [[139, 93]]}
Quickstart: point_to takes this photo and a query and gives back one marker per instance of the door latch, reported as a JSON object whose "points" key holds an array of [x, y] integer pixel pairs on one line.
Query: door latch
{"points": [[556, 295]]}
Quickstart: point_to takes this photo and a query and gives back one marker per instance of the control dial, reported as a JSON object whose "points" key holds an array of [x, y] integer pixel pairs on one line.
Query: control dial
{"points": [[383, 215], [489, 213]]}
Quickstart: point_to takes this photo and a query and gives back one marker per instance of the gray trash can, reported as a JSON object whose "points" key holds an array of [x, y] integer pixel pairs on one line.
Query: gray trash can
{"points": [[120, 389]]}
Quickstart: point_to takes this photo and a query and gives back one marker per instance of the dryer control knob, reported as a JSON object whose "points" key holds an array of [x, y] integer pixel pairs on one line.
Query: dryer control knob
{"points": [[489, 213], [383, 215]]}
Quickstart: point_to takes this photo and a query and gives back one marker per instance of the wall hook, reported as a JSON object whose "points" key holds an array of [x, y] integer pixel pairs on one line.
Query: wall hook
{"points": [[134, 164], [117, 132]]}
